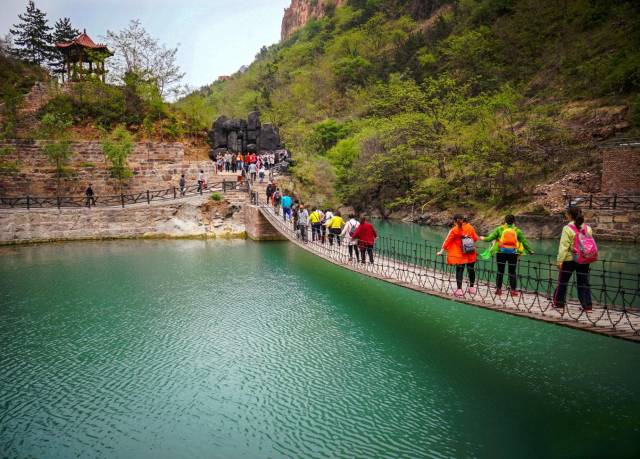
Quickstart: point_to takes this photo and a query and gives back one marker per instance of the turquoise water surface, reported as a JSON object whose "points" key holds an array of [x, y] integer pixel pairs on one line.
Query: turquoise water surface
{"points": [[170, 349]]}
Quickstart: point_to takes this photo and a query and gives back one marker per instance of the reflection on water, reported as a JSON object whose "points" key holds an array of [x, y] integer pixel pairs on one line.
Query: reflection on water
{"points": [[237, 349]]}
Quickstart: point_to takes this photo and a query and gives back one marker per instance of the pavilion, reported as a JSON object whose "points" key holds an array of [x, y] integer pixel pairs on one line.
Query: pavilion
{"points": [[81, 50]]}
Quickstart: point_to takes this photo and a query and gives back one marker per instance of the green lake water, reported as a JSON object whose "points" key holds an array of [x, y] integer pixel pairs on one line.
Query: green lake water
{"points": [[172, 349]]}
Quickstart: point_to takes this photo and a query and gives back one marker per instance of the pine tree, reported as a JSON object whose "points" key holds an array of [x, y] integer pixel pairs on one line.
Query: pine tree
{"points": [[32, 36], [63, 32]]}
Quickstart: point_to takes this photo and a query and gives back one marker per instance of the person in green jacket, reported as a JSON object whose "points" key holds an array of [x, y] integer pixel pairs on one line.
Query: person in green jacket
{"points": [[508, 244]]}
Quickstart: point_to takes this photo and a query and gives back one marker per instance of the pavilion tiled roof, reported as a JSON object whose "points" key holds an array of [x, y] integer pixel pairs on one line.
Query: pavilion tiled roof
{"points": [[83, 40]]}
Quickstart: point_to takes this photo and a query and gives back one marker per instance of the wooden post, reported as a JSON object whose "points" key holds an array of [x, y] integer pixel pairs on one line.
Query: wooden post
{"points": [[590, 201], [148, 199], [615, 200], [122, 199], [174, 192], [224, 186]]}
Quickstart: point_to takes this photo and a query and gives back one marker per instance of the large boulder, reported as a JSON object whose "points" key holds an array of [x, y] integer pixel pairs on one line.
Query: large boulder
{"points": [[232, 142], [269, 137], [218, 133], [253, 121], [235, 124], [252, 136]]}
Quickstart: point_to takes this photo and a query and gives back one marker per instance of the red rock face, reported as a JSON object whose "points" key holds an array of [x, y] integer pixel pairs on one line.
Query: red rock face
{"points": [[300, 11]]}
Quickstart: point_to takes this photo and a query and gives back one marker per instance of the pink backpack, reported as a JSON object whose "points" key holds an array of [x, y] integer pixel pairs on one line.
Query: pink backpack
{"points": [[585, 250]]}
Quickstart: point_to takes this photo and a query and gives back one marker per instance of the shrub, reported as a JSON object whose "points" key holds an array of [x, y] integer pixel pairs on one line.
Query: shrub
{"points": [[216, 197], [8, 167], [117, 148]]}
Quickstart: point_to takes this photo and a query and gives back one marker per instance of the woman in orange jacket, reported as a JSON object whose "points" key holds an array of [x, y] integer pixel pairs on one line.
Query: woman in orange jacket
{"points": [[461, 252]]}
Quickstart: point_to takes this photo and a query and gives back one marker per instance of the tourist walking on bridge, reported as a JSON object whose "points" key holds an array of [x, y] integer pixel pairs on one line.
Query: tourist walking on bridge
{"points": [[277, 197], [269, 192], [347, 233], [508, 244], [334, 226], [460, 246], [366, 236], [286, 202], [576, 252], [315, 219], [328, 215], [303, 222]]}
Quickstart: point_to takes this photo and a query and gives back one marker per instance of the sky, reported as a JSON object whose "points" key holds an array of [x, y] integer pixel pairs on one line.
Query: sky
{"points": [[216, 37]]}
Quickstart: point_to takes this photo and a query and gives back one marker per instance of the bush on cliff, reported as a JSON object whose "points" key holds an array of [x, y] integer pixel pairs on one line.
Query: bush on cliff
{"points": [[117, 147]]}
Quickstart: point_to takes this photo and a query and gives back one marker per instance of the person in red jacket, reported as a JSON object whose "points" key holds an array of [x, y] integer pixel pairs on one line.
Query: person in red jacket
{"points": [[366, 235], [461, 252]]}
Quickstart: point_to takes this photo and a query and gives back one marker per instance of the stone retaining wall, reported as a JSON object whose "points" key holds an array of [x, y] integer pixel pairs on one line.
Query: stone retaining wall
{"points": [[155, 166], [621, 171], [610, 225], [194, 217]]}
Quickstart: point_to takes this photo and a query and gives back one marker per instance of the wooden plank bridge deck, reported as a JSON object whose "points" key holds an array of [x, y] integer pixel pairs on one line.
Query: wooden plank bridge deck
{"points": [[609, 320]]}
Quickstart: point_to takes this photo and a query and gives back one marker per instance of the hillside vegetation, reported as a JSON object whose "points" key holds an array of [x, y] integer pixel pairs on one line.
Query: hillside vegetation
{"points": [[392, 104]]}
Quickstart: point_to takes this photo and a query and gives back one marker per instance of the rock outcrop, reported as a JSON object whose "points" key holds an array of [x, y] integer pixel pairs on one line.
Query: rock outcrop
{"points": [[239, 135], [301, 11]]}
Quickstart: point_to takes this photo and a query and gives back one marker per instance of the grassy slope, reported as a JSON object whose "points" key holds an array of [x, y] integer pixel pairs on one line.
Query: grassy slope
{"points": [[455, 104]]}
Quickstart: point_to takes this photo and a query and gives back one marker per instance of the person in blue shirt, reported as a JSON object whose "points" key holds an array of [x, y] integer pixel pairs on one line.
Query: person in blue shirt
{"points": [[286, 202]]}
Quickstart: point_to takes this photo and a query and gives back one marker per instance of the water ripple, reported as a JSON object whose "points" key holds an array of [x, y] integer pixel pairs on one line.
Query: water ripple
{"points": [[227, 349]]}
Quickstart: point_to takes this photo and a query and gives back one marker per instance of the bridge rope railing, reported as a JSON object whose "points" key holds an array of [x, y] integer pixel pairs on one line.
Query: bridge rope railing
{"points": [[616, 295]]}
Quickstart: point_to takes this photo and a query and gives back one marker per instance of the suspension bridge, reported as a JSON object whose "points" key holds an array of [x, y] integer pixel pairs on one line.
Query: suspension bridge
{"points": [[616, 294]]}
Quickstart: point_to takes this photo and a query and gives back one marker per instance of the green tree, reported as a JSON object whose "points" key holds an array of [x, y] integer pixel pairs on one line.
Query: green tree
{"points": [[117, 147], [326, 134], [58, 148], [32, 36], [63, 32]]}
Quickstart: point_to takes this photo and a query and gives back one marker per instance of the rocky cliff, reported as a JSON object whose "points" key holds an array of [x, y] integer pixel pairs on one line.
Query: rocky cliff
{"points": [[300, 11]]}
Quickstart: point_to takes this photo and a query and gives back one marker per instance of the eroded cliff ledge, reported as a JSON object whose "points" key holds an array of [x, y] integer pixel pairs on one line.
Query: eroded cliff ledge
{"points": [[301, 11]]}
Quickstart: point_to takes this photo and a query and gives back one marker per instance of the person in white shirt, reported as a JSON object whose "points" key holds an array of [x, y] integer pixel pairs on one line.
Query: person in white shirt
{"points": [[347, 231]]}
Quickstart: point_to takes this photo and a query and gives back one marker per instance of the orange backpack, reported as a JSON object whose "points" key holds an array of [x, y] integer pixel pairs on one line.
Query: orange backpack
{"points": [[508, 240]]}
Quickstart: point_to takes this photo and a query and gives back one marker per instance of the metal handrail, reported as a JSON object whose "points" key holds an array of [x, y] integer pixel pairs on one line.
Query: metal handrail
{"points": [[120, 200], [604, 202]]}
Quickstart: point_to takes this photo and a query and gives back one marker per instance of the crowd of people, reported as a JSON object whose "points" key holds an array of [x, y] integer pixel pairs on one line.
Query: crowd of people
{"points": [[252, 165], [577, 248], [325, 226]]}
